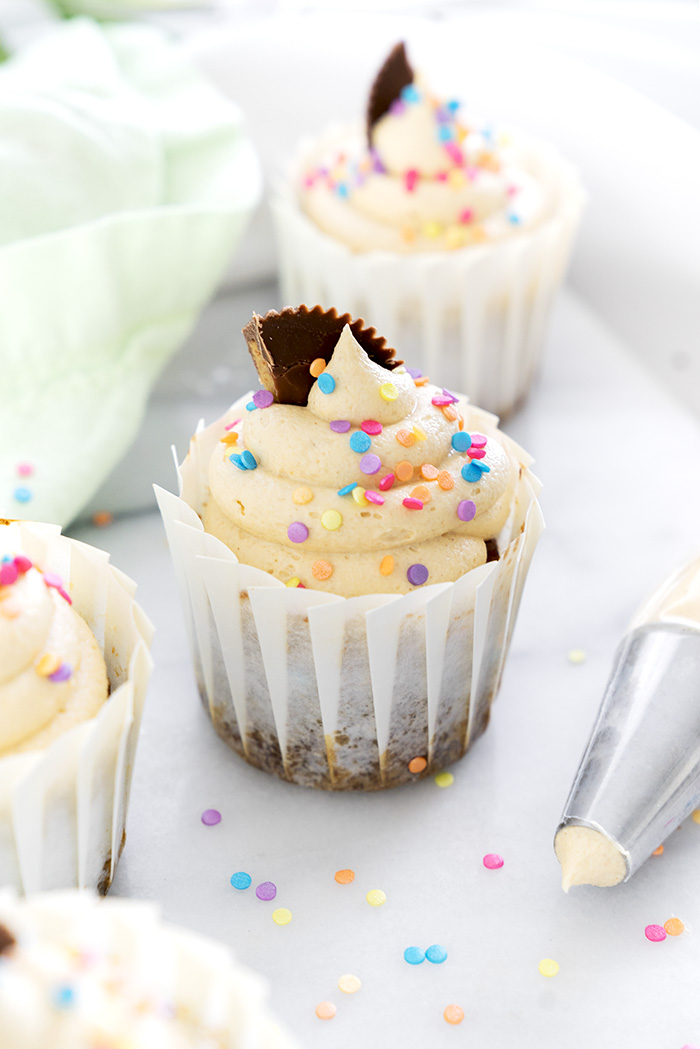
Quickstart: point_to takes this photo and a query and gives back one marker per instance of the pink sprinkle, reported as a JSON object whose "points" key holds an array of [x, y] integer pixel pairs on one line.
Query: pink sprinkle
{"points": [[655, 933], [410, 179], [64, 594], [478, 440], [51, 579], [512, 190], [492, 861], [455, 152], [466, 216], [441, 176], [441, 401], [25, 469], [371, 426], [309, 181], [412, 504], [22, 564], [472, 174], [231, 425], [8, 574], [386, 482], [477, 453], [374, 497]]}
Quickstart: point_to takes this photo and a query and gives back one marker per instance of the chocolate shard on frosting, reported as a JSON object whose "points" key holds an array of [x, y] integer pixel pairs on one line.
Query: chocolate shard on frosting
{"points": [[392, 78], [283, 345], [7, 940]]}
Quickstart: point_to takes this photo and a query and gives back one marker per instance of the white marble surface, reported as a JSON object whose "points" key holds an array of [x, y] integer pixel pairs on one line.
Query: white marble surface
{"points": [[619, 459]]}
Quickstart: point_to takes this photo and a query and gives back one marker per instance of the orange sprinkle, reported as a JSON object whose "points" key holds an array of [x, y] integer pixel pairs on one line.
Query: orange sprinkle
{"points": [[429, 472], [302, 495], [422, 492], [321, 570], [417, 765], [422, 380], [229, 438], [403, 470], [344, 877], [449, 412], [406, 438], [674, 926], [659, 851], [387, 565], [102, 518], [454, 1014], [408, 234], [317, 366], [325, 1010], [461, 422], [445, 480]]}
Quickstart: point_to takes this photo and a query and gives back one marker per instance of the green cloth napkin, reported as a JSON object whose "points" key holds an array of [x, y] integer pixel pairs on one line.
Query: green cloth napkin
{"points": [[125, 181]]}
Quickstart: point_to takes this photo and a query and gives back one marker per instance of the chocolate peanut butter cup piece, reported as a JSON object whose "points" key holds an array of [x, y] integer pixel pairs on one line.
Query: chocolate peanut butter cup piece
{"points": [[392, 78], [283, 346], [7, 940]]}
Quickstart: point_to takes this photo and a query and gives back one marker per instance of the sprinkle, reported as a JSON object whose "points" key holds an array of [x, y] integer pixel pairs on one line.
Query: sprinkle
{"points": [[655, 933], [375, 497], [9, 574], [64, 673], [466, 216], [397, 107], [445, 133], [298, 532], [263, 398], [410, 94], [410, 180], [514, 219], [230, 426], [22, 564], [412, 504], [417, 765], [444, 779], [325, 382], [340, 425], [674, 926], [449, 412], [417, 574], [440, 400], [548, 967], [349, 984], [282, 916], [405, 438], [249, 460], [266, 890], [461, 441], [466, 510], [372, 427], [576, 656], [375, 897], [431, 230], [360, 441], [293, 582], [251, 406], [102, 518], [25, 469], [408, 234], [415, 373], [478, 440], [344, 877], [386, 482], [210, 817], [419, 434], [48, 664], [421, 492], [331, 520], [454, 1014], [696, 816], [453, 105], [477, 453], [404, 470], [436, 954], [492, 861], [347, 488], [387, 565], [63, 997], [445, 480], [342, 190], [370, 464], [22, 495], [325, 1010], [414, 955], [388, 391], [237, 460], [321, 570], [358, 495], [659, 851], [423, 381], [300, 496], [472, 471], [441, 176], [241, 880], [429, 472]]}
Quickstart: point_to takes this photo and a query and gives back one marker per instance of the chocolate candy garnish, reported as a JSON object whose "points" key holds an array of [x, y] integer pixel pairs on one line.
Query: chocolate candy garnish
{"points": [[7, 940], [283, 345], [392, 78]]}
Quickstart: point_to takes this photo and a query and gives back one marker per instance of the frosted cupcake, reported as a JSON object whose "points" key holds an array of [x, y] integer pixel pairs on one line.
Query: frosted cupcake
{"points": [[366, 537], [74, 665], [437, 228], [81, 973]]}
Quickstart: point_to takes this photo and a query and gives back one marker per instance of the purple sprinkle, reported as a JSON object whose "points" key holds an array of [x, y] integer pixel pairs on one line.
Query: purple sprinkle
{"points": [[340, 426], [370, 463], [448, 393], [210, 817], [417, 574], [298, 532], [466, 510], [415, 373], [63, 673], [397, 107], [263, 398], [267, 890]]}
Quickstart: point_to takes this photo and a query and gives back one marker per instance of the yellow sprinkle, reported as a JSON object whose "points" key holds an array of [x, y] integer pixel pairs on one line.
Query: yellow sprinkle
{"points": [[375, 897], [281, 916], [576, 656], [294, 581], [358, 495], [349, 984], [302, 495], [432, 230], [455, 237], [696, 816], [331, 520], [387, 566], [457, 178], [388, 391], [444, 779], [48, 664], [420, 434], [548, 967]]}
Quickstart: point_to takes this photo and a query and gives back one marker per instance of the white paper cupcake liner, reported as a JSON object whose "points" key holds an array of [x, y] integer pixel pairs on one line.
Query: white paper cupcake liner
{"points": [[63, 808], [475, 316], [342, 693]]}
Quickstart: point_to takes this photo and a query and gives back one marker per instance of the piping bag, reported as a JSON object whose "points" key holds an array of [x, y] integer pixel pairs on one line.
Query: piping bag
{"points": [[640, 774]]}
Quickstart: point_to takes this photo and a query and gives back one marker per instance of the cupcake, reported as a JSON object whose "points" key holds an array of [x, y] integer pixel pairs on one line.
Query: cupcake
{"points": [[453, 237], [74, 664], [77, 972], [351, 544]]}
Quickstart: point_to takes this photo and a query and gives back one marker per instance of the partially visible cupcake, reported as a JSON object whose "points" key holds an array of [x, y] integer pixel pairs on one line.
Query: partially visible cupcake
{"points": [[77, 972], [453, 237], [74, 664], [351, 543]]}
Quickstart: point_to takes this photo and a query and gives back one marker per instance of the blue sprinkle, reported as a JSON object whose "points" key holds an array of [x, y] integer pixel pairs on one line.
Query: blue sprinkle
{"points": [[414, 955], [249, 460], [461, 441], [22, 495], [237, 460], [487, 133], [250, 406], [360, 441], [445, 133], [326, 382], [347, 489], [342, 190], [513, 218], [63, 997], [436, 954], [241, 880], [452, 105], [410, 93], [471, 472]]}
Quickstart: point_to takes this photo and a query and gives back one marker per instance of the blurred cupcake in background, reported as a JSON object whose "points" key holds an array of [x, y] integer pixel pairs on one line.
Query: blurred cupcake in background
{"points": [[453, 237]]}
